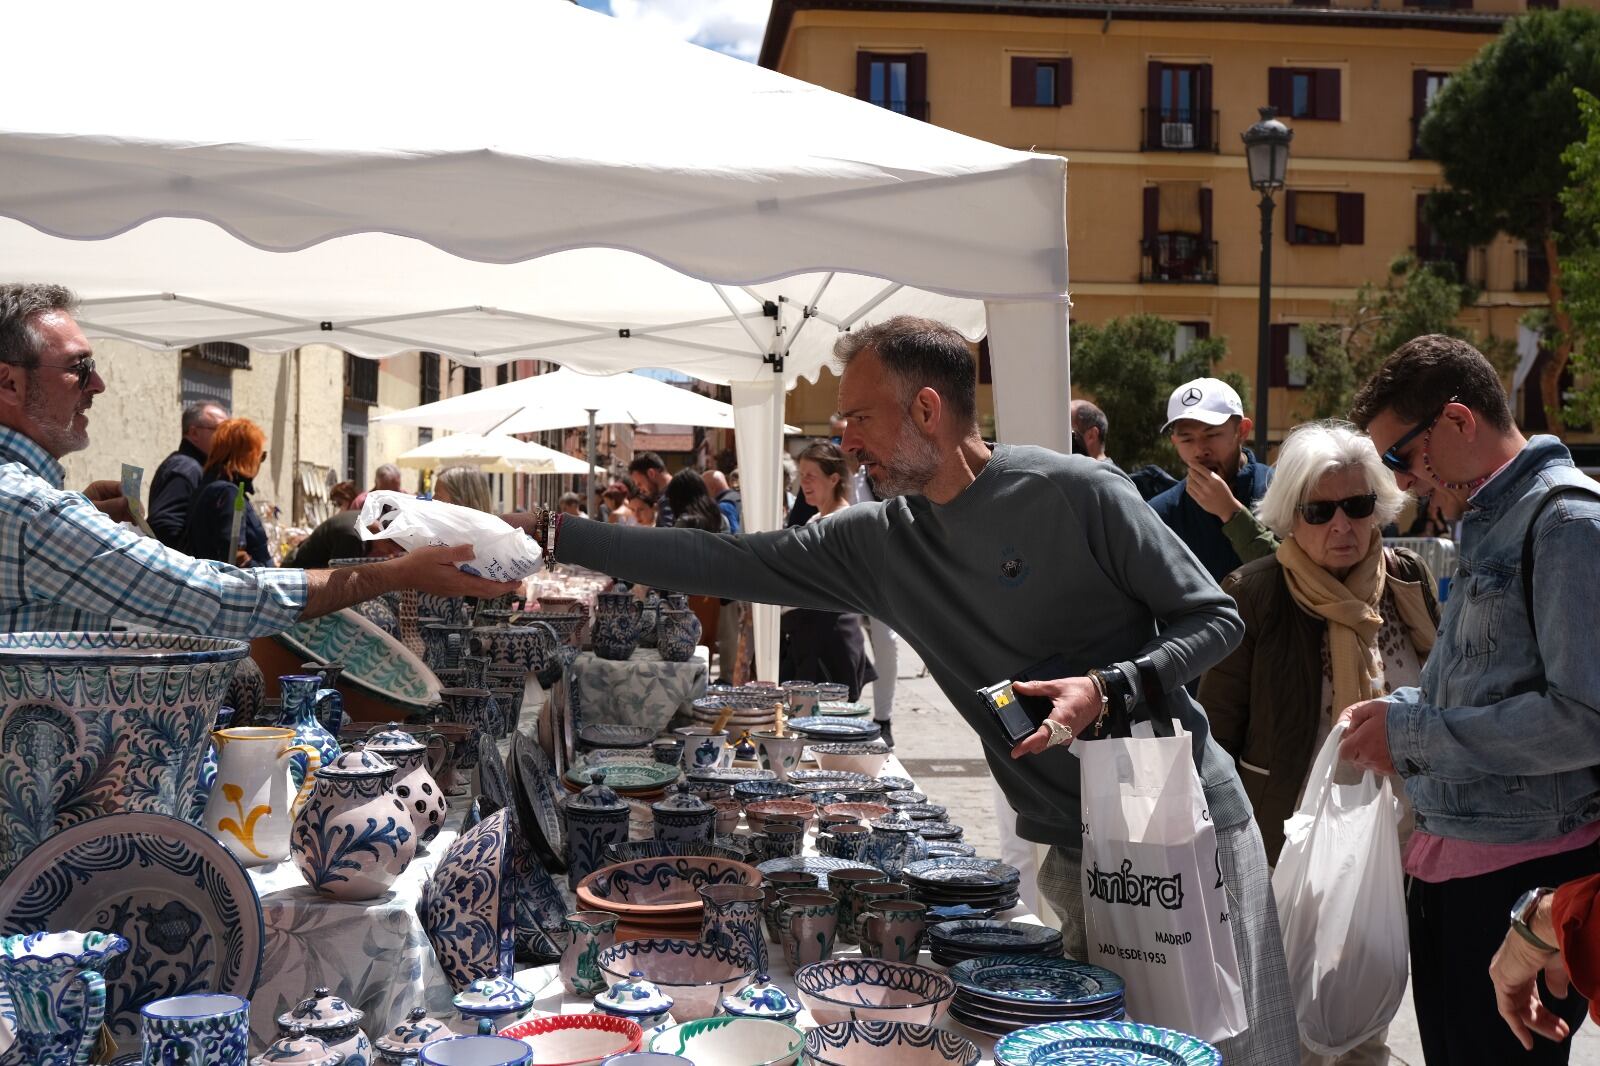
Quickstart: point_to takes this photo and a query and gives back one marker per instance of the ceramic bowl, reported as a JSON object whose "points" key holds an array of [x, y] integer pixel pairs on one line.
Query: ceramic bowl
{"points": [[646, 1058], [905, 797], [576, 1039], [732, 1042], [727, 814], [846, 990], [468, 905], [859, 812], [374, 662], [696, 975], [667, 887], [754, 791], [862, 758], [758, 814], [888, 1044], [923, 812], [611, 735], [634, 850]]}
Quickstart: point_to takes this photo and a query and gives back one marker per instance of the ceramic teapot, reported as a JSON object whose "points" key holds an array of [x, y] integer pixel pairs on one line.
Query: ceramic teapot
{"points": [[353, 837]]}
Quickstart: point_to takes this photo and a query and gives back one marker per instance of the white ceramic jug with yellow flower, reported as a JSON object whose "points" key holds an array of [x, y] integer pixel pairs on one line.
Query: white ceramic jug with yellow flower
{"points": [[253, 802]]}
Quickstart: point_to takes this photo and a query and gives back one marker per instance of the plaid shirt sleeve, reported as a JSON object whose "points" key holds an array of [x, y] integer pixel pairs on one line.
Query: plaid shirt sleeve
{"points": [[62, 549]]}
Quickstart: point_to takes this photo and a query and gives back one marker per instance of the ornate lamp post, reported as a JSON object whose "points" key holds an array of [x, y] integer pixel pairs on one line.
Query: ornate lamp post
{"points": [[1266, 152]]}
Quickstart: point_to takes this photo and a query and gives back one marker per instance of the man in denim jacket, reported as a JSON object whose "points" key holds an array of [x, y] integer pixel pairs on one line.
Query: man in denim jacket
{"points": [[1499, 747]]}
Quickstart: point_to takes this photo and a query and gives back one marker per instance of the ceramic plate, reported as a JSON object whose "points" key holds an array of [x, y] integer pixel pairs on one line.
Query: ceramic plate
{"points": [[841, 779], [1031, 980], [492, 780], [995, 937], [899, 784], [945, 849], [821, 865], [628, 775], [373, 660], [181, 900], [732, 775], [610, 735], [975, 873], [468, 906], [982, 1023], [843, 709], [1121, 1043], [828, 727], [536, 781]]}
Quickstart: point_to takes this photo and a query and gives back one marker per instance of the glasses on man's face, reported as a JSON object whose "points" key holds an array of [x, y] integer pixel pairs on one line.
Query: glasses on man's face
{"points": [[83, 368], [1399, 463], [1320, 512]]}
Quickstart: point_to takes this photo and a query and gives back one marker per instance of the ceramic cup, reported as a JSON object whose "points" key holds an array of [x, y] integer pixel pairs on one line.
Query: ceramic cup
{"points": [[668, 750], [200, 1030], [476, 1051], [840, 882], [731, 918], [807, 925], [866, 897], [778, 840], [777, 883], [704, 748], [842, 841], [894, 930]]}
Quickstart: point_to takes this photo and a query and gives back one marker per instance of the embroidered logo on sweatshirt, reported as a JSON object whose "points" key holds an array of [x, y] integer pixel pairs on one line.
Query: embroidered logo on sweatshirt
{"points": [[1014, 570]]}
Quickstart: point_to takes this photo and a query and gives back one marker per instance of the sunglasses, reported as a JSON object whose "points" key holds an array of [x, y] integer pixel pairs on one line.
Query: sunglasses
{"points": [[1399, 463], [1320, 512], [83, 368]]}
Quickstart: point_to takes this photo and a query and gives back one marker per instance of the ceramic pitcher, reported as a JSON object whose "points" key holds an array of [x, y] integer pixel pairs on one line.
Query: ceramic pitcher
{"points": [[303, 696], [57, 993], [588, 934], [354, 836], [616, 625], [731, 918], [253, 803]]}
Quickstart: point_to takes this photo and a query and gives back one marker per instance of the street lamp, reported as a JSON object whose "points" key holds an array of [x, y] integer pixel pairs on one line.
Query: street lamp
{"points": [[1266, 153]]}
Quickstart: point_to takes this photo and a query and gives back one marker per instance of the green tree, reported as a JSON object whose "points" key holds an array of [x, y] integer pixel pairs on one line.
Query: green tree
{"points": [[1498, 129], [1580, 271], [1128, 367], [1414, 299]]}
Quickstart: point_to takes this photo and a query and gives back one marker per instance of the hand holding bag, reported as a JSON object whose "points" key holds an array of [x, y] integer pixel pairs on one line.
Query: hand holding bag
{"points": [[501, 552]]}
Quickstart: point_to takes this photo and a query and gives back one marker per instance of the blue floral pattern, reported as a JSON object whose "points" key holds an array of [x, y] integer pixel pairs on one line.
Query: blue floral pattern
{"points": [[468, 908], [1112, 1043]]}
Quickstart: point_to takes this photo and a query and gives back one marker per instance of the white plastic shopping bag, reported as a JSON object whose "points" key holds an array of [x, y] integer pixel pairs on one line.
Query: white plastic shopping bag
{"points": [[1341, 903], [501, 552], [1155, 907]]}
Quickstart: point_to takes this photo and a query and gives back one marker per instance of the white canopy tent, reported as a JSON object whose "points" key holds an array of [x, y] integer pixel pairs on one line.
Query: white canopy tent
{"points": [[401, 194], [492, 453]]}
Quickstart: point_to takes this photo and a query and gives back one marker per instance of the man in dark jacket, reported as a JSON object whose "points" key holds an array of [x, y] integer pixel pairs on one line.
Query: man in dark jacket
{"points": [[179, 473], [1209, 509]]}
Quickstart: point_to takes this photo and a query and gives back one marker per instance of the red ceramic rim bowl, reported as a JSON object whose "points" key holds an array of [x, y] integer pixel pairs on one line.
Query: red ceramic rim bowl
{"points": [[576, 1039]]}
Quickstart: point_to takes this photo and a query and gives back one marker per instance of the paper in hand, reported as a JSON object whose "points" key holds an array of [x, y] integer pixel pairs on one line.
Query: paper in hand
{"points": [[132, 479]]}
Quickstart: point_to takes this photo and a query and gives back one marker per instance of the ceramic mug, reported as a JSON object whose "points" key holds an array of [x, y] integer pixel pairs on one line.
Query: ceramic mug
{"points": [[777, 883], [807, 924], [200, 1030], [894, 930], [588, 934], [476, 1051], [866, 897], [840, 882], [842, 841], [779, 840], [668, 750]]}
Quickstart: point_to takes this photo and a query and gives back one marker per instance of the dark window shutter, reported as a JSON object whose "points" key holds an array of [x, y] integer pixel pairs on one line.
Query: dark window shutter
{"points": [[1279, 93], [917, 85], [1063, 82], [1205, 216], [1419, 92], [1202, 100], [1352, 218], [1462, 4], [1152, 110], [1152, 213], [1202, 330], [1022, 81], [1424, 235], [1278, 378], [1289, 200], [863, 75], [1325, 95]]}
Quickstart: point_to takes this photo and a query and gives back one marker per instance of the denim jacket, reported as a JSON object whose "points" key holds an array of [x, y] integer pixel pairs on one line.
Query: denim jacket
{"points": [[1501, 742]]}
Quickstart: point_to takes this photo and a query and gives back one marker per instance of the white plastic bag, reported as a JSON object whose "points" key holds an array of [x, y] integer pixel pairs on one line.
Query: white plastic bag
{"points": [[1155, 907], [1341, 903], [500, 552]]}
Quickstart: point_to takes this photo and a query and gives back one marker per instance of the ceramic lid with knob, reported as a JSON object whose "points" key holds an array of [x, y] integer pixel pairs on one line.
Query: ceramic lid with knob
{"points": [[598, 796], [395, 741], [761, 999], [635, 996], [358, 763], [401, 1043], [321, 1012], [683, 801], [298, 1048], [491, 996]]}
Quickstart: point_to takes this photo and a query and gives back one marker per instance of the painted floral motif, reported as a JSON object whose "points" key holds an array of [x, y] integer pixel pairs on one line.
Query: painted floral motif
{"points": [[56, 994], [373, 660], [467, 906]]}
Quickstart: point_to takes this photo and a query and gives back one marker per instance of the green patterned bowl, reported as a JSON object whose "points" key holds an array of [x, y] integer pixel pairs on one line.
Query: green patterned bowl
{"points": [[627, 775], [732, 1042], [374, 662]]}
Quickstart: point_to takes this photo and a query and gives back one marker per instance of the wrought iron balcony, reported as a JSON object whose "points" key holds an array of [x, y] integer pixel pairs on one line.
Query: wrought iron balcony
{"points": [[1177, 130], [1178, 258]]}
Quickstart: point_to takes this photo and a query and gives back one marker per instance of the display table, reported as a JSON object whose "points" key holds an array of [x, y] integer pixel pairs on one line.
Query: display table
{"points": [[645, 690]]}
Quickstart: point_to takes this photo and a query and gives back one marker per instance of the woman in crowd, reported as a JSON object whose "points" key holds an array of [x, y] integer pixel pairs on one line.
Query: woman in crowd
{"points": [[616, 501], [642, 509], [1332, 618], [237, 451], [464, 486], [822, 645], [691, 502]]}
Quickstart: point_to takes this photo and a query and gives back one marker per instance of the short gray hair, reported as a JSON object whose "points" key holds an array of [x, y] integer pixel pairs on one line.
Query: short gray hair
{"points": [[20, 302], [920, 353], [1086, 416], [195, 411], [1311, 452], [388, 470]]}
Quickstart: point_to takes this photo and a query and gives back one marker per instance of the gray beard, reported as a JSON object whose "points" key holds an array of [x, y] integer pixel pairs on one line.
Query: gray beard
{"points": [[58, 440], [911, 468]]}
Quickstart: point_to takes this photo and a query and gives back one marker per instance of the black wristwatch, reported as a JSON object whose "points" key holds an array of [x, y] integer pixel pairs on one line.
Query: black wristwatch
{"points": [[1522, 918]]}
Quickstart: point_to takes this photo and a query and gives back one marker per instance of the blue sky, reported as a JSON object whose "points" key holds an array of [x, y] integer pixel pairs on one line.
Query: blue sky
{"points": [[730, 26]]}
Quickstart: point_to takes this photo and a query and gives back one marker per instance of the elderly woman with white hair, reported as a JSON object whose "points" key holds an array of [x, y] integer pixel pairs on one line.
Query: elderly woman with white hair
{"points": [[1331, 619]]}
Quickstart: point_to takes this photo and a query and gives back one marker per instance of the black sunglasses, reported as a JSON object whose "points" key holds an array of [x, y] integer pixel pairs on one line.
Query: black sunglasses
{"points": [[1320, 512], [1397, 462], [83, 368]]}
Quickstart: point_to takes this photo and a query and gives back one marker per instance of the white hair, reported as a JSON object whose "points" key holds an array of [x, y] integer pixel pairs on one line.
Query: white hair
{"points": [[1310, 453]]}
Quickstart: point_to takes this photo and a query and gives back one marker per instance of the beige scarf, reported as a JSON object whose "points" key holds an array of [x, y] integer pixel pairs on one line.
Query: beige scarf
{"points": [[1350, 607]]}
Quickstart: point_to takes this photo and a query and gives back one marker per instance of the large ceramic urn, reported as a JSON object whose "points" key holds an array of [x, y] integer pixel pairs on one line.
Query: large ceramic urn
{"points": [[354, 836]]}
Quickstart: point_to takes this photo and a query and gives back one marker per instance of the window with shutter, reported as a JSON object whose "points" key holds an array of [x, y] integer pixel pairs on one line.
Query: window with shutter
{"points": [[1185, 336], [1305, 93], [429, 391], [898, 82], [1295, 358], [1278, 357], [1177, 115], [1325, 217], [1425, 85], [360, 379], [1041, 82], [471, 378]]}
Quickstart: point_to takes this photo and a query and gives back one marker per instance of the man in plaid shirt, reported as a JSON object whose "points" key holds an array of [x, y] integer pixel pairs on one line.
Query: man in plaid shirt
{"points": [[66, 563]]}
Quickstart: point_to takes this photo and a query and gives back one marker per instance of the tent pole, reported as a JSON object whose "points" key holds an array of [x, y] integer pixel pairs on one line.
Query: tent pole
{"points": [[592, 444]]}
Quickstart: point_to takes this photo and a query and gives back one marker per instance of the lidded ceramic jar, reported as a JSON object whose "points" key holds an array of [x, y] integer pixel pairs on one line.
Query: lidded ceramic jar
{"points": [[400, 1045], [299, 1048], [413, 785], [353, 837], [333, 1021], [684, 817], [893, 843], [637, 999], [596, 819], [761, 999], [489, 999]]}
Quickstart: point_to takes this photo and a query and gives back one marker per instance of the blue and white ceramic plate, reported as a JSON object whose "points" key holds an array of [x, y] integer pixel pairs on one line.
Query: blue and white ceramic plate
{"points": [[996, 937], [1030, 980], [843, 709], [821, 865], [540, 793], [841, 779], [614, 735], [181, 900], [1110, 1043], [374, 662], [899, 784], [729, 775], [751, 791], [829, 727], [625, 776], [964, 872], [994, 1026]]}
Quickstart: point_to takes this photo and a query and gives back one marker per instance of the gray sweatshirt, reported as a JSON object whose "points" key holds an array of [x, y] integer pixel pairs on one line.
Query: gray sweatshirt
{"points": [[1043, 554]]}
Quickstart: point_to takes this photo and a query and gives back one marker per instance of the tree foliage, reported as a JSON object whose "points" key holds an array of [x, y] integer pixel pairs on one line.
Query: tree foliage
{"points": [[1580, 271], [1414, 299], [1128, 367], [1498, 129]]}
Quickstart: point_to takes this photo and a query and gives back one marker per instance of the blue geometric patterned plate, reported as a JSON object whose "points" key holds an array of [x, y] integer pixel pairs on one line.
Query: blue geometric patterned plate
{"points": [[996, 937], [899, 784], [821, 865], [972, 872], [1001, 1026], [1103, 1044], [1031, 980], [169, 888], [842, 779], [828, 727]]}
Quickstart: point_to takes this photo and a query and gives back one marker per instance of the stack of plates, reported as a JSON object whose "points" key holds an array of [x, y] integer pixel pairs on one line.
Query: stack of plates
{"points": [[977, 882], [749, 712], [844, 710], [1000, 994], [1069, 1042], [953, 942], [637, 779], [829, 727]]}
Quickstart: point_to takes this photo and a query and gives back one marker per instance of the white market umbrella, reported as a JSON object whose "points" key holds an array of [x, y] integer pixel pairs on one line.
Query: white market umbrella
{"points": [[495, 453]]}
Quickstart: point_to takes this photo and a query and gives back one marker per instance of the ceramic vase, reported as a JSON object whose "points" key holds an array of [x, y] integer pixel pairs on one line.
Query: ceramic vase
{"points": [[731, 918], [58, 997], [677, 635], [330, 709], [616, 625], [596, 819], [253, 802], [588, 934], [353, 837], [808, 923], [197, 1030], [414, 784], [474, 707], [894, 930], [302, 695], [649, 620], [474, 671]]}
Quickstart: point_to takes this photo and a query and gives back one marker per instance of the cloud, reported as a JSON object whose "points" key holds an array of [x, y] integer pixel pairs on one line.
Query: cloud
{"points": [[731, 26]]}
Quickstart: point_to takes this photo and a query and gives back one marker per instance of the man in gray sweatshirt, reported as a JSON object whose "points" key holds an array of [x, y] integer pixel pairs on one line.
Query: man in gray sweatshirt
{"points": [[988, 560]]}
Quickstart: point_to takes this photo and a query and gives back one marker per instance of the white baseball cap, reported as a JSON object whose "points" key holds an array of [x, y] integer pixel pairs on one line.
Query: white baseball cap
{"points": [[1205, 400]]}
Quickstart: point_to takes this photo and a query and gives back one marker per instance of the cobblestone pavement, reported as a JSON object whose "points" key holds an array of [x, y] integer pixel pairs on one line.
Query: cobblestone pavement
{"points": [[941, 752]]}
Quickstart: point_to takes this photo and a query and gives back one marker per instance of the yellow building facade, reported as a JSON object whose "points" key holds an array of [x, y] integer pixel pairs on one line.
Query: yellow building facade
{"points": [[1146, 101]]}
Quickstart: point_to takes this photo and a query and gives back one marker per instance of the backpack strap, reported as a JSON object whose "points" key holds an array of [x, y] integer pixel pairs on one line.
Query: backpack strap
{"points": [[1527, 548]]}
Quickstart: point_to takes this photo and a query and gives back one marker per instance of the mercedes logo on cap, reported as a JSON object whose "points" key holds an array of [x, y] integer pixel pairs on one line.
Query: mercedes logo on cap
{"points": [[1191, 397]]}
